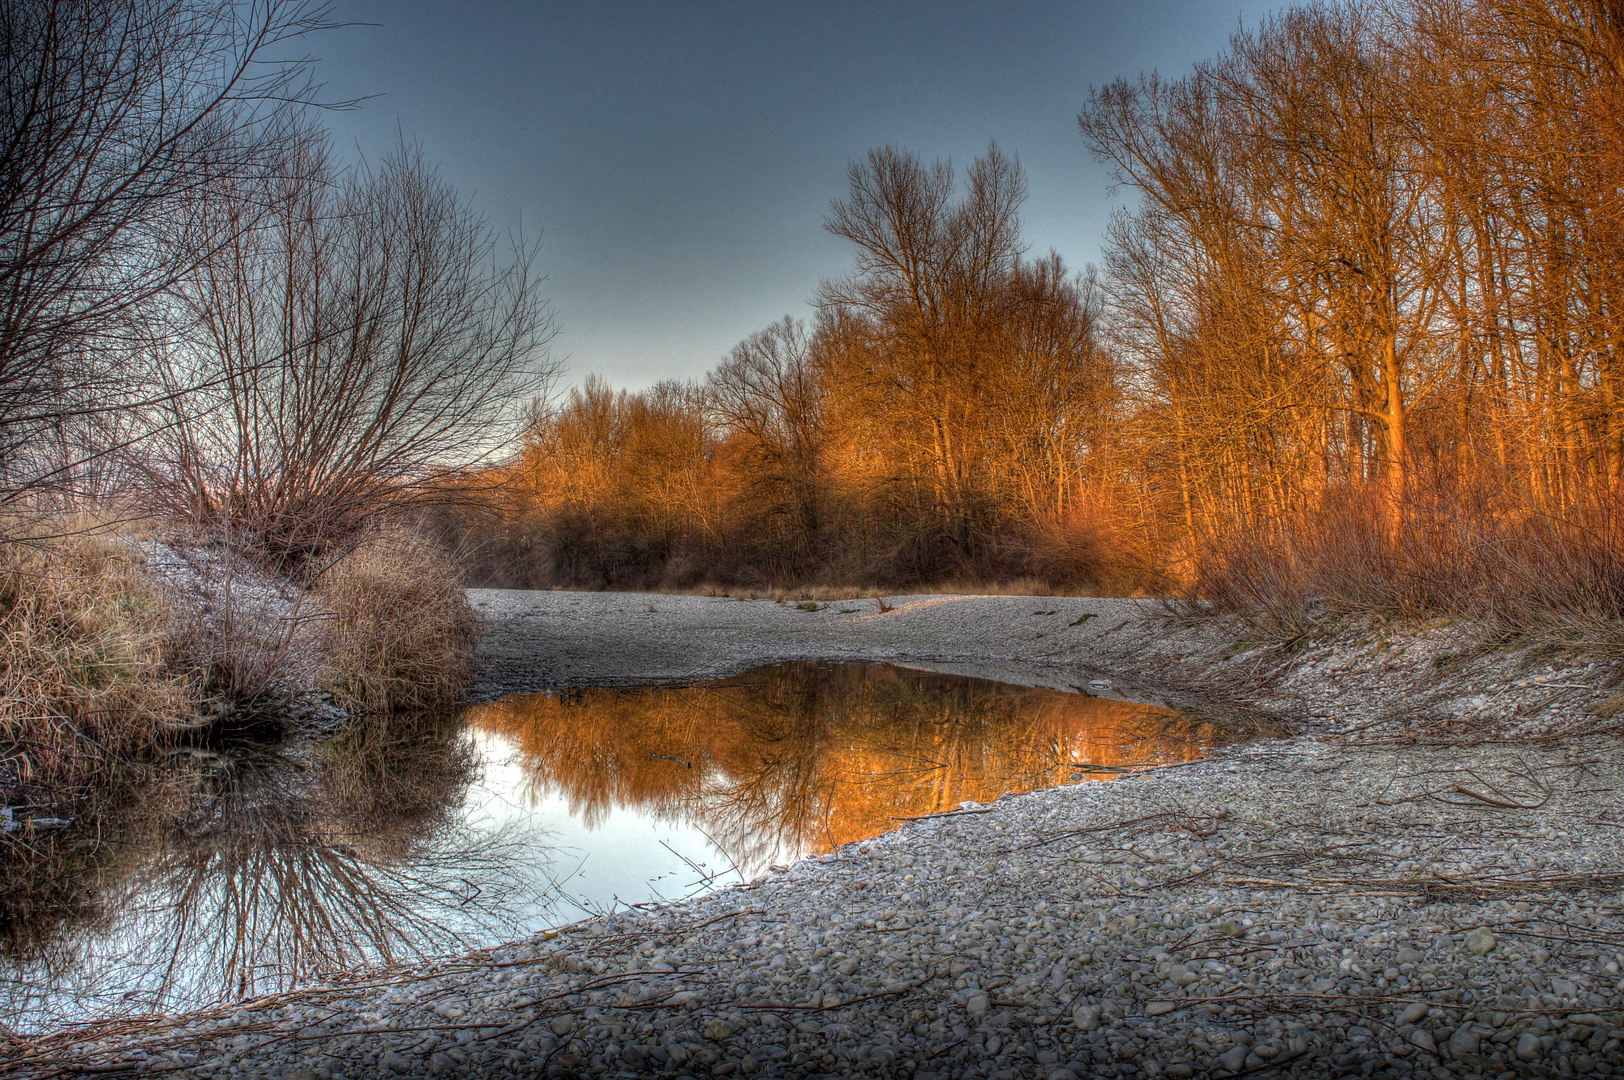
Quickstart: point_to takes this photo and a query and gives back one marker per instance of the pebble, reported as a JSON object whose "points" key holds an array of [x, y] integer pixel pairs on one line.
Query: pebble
{"points": [[1413, 1012], [1114, 935]]}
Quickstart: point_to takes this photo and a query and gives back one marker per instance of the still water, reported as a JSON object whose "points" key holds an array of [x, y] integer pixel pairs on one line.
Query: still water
{"points": [[238, 870]]}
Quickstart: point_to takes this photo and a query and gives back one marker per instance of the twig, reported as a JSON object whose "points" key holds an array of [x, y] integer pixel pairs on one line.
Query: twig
{"points": [[1497, 802]]}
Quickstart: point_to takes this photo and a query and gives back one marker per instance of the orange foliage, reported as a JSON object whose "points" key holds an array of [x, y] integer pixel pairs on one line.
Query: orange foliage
{"points": [[1359, 341]]}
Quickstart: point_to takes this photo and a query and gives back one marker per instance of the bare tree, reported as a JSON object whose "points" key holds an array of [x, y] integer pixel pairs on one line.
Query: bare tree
{"points": [[768, 395], [364, 342], [117, 118], [1050, 397], [931, 271]]}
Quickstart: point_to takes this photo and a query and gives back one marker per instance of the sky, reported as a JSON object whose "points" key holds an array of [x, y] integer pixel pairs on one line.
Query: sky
{"points": [[677, 159]]}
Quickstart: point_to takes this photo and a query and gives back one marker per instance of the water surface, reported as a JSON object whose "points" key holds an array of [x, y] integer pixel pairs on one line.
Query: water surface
{"points": [[236, 870]]}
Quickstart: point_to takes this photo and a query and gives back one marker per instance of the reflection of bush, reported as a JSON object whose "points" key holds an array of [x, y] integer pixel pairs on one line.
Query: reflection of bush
{"points": [[280, 862], [62, 885], [390, 781], [318, 856], [805, 755]]}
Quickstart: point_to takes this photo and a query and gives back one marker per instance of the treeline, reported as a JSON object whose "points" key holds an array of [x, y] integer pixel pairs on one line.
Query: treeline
{"points": [[1370, 299], [946, 418], [1358, 338]]}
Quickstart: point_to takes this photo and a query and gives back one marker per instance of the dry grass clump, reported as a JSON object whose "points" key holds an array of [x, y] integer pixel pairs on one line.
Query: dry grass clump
{"points": [[399, 632], [84, 659]]}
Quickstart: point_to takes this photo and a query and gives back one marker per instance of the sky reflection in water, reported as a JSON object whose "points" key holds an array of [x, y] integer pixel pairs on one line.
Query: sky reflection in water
{"points": [[256, 868]]}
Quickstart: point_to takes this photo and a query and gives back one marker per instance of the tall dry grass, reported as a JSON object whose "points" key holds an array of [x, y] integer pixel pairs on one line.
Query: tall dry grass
{"points": [[398, 632], [86, 643], [1471, 554]]}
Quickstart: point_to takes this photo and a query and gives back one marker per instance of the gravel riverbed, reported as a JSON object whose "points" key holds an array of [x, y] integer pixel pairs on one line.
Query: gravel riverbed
{"points": [[1318, 905]]}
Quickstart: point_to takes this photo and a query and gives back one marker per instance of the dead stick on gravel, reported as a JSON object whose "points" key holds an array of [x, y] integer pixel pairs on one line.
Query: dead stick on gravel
{"points": [[946, 813], [1497, 802], [915, 985]]}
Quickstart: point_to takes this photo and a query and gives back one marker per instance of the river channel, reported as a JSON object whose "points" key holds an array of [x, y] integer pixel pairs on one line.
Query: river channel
{"points": [[247, 868]]}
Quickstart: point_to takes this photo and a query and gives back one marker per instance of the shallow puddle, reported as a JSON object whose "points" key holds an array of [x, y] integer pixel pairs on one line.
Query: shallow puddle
{"points": [[245, 870]]}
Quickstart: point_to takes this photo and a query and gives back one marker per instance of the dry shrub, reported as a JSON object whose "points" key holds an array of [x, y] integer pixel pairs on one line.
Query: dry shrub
{"points": [[1095, 550], [84, 661], [399, 632], [1470, 554]]}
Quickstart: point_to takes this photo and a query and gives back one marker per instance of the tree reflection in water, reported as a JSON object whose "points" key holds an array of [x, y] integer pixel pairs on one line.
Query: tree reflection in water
{"points": [[261, 867], [803, 757]]}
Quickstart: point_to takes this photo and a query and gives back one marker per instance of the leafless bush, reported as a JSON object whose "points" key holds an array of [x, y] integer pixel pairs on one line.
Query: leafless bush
{"points": [[1473, 554], [358, 346], [118, 120], [84, 660]]}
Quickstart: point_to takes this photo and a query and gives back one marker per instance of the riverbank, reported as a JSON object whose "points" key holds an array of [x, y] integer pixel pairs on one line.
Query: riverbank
{"points": [[1395, 890], [117, 641], [1432, 683]]}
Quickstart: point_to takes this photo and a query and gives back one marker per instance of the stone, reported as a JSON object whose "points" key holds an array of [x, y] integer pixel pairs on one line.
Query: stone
{"points": [[562, 1025], [1481, 942], [440, 1064], [1528, 1047], [1160, 1008], [1231, 928], [1233, 1059], [1408, 955], [1086, 1017], [1422, 1039], [1464, 1041], [1413, 1012], [977, 1004], [1064, 1074]]}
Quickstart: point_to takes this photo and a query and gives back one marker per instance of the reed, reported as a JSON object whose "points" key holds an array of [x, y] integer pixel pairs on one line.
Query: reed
{"points": [[1476, 555]]}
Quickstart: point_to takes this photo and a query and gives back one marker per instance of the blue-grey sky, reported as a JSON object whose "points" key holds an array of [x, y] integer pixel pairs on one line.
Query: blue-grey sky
{"points": [[679, 157]]}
